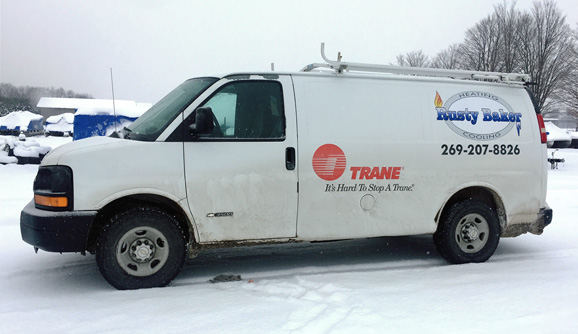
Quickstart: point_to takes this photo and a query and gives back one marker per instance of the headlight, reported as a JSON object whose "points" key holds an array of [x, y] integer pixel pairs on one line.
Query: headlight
{"points": [[53, 188]]}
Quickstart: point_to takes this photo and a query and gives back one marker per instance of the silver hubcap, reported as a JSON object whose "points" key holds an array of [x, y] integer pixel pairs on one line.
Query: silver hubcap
{"points": [[472, 233], [142, 251]]}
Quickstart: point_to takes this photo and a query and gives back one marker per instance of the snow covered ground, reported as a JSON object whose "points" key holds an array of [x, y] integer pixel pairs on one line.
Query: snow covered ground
{"points": [[385, 285]]}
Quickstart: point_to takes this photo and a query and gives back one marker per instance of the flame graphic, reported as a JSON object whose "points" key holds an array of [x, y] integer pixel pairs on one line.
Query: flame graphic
{"points": [[438, 101]]}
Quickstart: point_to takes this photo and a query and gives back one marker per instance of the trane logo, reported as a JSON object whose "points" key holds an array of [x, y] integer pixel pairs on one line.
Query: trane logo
{"points": [[329, 163], [375, 173]]}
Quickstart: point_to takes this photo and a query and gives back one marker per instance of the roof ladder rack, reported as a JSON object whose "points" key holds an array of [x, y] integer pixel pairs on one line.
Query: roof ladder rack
{"points": [[340, 66]]}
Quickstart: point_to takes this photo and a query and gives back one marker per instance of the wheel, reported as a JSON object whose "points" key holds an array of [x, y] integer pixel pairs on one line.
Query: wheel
{"points": [[468, 232], [143, 247]]}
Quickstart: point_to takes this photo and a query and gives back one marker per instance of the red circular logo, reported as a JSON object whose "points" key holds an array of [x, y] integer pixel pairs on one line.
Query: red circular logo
{"points": [[329, 162]]}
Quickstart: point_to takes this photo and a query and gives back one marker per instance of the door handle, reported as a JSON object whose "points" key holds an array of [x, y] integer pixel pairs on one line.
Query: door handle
{"points": [[290, 158]]}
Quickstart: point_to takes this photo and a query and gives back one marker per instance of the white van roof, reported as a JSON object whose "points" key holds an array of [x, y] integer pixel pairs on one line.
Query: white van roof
{"points": [[373, 70]]}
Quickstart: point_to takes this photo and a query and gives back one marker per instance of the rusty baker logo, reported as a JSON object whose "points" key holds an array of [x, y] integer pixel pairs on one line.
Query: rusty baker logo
{"points": [[477, 115]]}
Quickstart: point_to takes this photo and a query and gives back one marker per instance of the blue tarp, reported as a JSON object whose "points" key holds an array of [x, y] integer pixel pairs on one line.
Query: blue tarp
{"points": [[98, 125], [36, 125]]}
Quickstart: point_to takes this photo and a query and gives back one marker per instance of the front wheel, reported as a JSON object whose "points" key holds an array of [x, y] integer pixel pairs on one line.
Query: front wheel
{"points": [[143, 247], [468, 232]]}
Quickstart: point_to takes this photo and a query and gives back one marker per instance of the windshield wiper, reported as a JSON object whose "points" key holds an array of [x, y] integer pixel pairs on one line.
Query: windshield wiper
{"points": [[126, 132]]}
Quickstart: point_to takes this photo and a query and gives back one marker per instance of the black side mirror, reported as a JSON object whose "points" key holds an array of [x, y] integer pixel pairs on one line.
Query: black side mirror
{"points": [[203, 125]]}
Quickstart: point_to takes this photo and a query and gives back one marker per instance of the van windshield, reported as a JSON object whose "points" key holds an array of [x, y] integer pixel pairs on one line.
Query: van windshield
{"points": [[153, 122]]}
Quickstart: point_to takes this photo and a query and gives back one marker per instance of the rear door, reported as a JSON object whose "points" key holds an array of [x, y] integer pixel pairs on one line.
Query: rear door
{"points": [[241, 180]]}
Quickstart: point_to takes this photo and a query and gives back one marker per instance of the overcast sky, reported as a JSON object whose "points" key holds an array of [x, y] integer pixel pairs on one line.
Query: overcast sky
{"points": [[154, 45]]}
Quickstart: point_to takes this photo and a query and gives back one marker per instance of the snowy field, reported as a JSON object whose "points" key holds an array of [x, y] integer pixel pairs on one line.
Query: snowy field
{"points": [[385, 285]]}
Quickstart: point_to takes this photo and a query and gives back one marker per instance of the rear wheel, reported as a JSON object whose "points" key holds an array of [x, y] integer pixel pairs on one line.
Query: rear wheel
{"points": [[468, 232], [143, 247]]}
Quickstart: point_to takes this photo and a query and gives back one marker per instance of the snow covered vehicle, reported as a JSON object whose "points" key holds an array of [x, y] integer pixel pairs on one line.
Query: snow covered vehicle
{"points": [[336, 151], [21, 150]]}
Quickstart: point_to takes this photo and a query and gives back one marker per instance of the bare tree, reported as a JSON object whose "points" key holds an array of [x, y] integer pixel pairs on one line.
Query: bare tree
{"points": [[546, 51], [449, 58], [508, 23], [413, 59], [492, 44], [539, 43], [480, 50], [569, 92]]}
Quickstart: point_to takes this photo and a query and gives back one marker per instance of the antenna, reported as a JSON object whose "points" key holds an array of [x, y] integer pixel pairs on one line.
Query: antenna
{"points": [[113, 105]]}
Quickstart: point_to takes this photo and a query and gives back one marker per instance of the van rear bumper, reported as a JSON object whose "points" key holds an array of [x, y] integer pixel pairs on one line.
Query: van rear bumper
{"points": [[544, 218], [52, 231], [546, 215]]}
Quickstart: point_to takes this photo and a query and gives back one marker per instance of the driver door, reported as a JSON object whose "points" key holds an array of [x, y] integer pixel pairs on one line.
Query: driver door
{"points": [[239, 183]]}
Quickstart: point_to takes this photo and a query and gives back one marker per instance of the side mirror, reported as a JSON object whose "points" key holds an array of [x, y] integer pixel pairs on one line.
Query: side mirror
{"points": [[203, 125]]}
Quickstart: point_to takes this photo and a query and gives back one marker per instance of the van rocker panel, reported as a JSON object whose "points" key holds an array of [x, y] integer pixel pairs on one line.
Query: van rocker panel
{"points": [[55, 231]]}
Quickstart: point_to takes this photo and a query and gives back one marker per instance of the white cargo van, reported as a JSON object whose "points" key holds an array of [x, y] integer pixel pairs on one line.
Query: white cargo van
{"points": [[335, 151]]}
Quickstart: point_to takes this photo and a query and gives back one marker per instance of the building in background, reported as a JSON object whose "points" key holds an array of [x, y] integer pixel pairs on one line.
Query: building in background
{"points": [[92, 117], [52, 106]]}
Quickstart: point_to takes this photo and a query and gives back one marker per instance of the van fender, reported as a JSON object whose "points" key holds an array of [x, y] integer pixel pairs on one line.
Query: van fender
{"points": [[483, 191], [136, 191], [161, 197]]}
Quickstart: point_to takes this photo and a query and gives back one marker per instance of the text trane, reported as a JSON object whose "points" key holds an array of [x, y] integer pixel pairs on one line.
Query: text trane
{"points": [[377, 173], [472, 116]]}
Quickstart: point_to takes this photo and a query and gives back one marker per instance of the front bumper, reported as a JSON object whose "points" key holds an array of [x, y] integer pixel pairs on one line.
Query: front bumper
{"points": [[52, 231]]}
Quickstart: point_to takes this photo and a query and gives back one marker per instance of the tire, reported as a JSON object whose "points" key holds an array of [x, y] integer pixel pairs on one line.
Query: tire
{"points": [[468, 232], [143, 247]]}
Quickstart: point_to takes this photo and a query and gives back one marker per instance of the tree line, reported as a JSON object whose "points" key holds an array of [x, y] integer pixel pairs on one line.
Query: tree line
{"points": [[26, 98], [538, 42]]}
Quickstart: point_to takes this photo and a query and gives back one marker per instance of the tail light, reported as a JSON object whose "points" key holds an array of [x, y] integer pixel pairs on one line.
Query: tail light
{"points": [[543, 136]]}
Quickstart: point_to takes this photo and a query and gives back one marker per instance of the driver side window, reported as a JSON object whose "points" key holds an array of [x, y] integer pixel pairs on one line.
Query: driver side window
{"points": [[248, 110]]}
